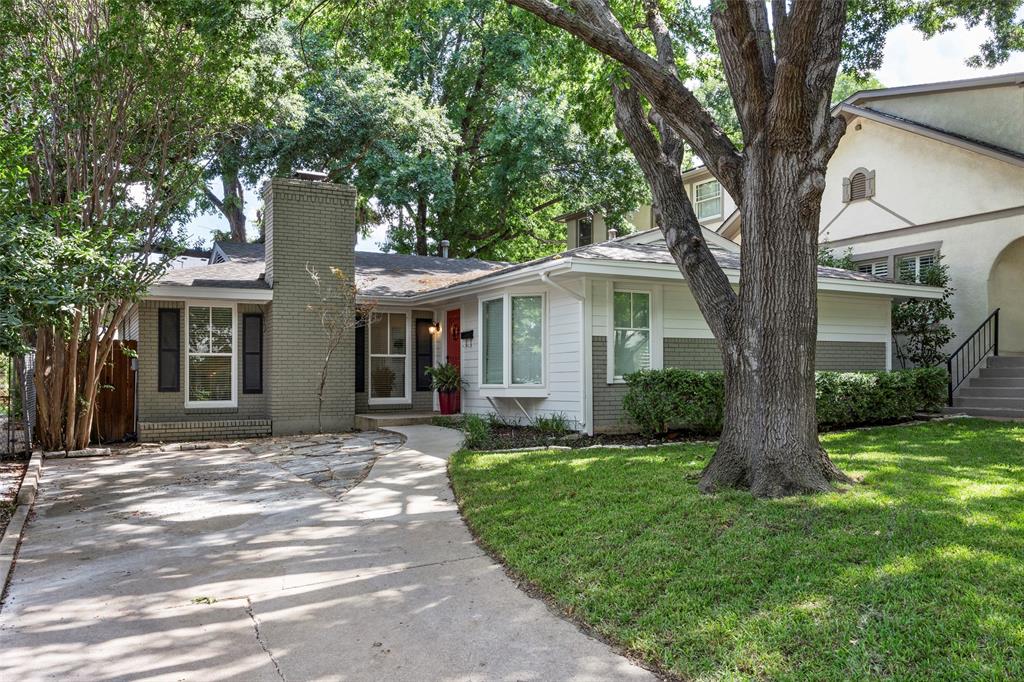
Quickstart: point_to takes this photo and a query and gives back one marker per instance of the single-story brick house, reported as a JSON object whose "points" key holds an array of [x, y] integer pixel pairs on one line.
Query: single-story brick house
{"points": [[230, 348]]}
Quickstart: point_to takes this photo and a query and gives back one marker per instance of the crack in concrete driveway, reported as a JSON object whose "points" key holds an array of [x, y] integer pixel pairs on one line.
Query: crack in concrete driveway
{"points": [[134, 566]]}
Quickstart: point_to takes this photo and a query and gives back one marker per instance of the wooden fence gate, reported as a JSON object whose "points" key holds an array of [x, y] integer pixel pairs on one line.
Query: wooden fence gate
{"points": [[115, 404]]}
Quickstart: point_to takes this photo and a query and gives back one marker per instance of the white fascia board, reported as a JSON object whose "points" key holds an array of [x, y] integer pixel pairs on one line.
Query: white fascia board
{"points": [[670, 271], [171, 292], [943, 86]]}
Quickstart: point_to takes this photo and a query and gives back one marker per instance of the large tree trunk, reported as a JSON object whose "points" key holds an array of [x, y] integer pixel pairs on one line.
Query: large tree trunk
{"points": [[780, 75], [421, 226], [234, 204], [770, 437]]}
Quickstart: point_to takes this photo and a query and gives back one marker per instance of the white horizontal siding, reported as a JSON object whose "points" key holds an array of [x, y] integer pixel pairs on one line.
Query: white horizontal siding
{"points": [[853, 318], [561, 361], [841, 317]]}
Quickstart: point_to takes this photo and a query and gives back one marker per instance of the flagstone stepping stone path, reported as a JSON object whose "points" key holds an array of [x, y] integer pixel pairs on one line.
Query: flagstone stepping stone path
{"points": [[336, 462]]}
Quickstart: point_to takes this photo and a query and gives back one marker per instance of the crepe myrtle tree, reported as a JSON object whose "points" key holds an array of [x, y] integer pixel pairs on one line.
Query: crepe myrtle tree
{"points": [[780, 60], [117, 104]]}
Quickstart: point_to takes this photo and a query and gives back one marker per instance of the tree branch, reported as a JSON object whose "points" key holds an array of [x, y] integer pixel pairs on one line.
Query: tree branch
{"points": [[213, 198], [656, 81], [745, 49], [683, 234]]}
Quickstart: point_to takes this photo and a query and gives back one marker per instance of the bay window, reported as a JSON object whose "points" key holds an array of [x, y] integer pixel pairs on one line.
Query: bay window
{"points": [[631, 332], [389, 358], [512, 348], [211, 356]]}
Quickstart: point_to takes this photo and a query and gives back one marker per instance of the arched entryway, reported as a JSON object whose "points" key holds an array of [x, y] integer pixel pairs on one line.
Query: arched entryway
{"points": [[1006, 292]]}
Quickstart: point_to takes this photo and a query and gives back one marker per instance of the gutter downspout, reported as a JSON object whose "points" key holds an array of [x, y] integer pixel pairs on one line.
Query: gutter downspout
{"points": [[581, 299]]}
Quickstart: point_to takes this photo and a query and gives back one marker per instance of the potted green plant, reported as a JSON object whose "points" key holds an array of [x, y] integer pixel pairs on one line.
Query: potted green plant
{"points": [[447, 381]]}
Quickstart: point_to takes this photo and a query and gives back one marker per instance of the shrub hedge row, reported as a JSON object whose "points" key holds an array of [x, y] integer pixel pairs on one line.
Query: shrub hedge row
{"points": [[658, 400]]}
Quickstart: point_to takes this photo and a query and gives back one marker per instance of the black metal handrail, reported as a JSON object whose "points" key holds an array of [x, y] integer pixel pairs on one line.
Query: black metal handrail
{"points": [[971, 352]]}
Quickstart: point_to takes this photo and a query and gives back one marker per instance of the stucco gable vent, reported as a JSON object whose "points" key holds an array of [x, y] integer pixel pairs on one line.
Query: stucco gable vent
{"points": [[859, 185]]}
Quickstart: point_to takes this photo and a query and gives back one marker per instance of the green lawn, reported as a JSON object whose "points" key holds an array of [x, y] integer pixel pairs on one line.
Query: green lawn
{"points": [[917, 573]]}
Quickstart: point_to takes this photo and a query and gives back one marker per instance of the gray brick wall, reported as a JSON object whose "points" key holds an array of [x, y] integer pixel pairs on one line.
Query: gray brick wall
{"points": [[157, 406], [697, 354], [607, 397], [703, 355], [158, 432], [850, 356], [314, 223]]}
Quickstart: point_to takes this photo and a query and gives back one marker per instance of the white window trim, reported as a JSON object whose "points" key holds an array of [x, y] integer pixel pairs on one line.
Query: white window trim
{"points": [[696, 202], [534, 390], [213, 404], [407, 399], [657, 330]]}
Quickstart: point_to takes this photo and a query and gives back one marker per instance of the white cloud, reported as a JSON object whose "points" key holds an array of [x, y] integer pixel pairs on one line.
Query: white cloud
{"points": [[910, 59]]}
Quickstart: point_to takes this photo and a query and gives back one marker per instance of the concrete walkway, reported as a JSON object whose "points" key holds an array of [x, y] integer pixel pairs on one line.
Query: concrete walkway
{"points": [[211, 565]]}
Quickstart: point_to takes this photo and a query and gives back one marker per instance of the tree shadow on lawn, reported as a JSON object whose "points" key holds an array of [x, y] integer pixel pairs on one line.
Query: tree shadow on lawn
{"points": [[916, 572]]}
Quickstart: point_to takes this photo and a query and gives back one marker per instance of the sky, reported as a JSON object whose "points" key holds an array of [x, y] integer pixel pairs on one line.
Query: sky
{"points": [[909, 59]]}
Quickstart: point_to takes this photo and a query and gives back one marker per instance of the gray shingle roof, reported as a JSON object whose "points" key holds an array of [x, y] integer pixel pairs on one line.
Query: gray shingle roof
{"points": [[658, 253], [377, 274], [236, 251], [240, 274], [392, 274]]}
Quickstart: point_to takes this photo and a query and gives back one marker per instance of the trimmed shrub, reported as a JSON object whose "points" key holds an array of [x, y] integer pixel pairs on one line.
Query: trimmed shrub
{"points": [[659, 400], [477, 431]]}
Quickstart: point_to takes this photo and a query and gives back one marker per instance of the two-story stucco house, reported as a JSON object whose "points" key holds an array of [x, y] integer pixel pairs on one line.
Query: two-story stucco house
{"points": [[231, 348], [924, 172]]}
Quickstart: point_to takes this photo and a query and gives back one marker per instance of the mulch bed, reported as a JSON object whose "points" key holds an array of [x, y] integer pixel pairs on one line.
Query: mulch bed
{"points": [[506, 437]]}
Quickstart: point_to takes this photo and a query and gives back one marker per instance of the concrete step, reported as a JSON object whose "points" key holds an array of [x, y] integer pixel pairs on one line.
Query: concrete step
{"points": [[1005, 403], [1002, 372], [991, 392], [994, 382], [990, 412], [382, 420], [1006, 361]]}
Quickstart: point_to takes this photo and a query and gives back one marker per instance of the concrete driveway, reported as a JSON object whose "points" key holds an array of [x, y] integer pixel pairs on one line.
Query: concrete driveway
{"points": [[215, 565]]}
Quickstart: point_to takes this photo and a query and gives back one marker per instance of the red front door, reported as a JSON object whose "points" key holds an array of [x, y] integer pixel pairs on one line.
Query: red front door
{"points": [[455, 347]]}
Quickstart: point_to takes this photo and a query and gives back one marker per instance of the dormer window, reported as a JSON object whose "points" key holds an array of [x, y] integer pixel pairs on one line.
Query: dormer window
{"points": [[708, 200], [859, 185], [585, 234]]}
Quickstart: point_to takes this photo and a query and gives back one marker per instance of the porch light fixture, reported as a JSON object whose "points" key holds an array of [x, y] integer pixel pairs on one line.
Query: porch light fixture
{"points": [[434, 328]]}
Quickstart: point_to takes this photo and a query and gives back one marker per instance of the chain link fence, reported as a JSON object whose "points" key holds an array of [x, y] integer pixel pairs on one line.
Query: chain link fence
{"points": [[17, 405]]}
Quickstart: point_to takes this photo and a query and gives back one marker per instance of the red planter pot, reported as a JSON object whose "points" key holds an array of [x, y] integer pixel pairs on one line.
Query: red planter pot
{"points": [[450, 402]]}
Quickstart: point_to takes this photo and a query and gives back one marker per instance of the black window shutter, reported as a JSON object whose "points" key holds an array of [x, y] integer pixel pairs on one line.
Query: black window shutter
{"points": [[424, 354], [252, 353], [169, 350], [360, 359]]}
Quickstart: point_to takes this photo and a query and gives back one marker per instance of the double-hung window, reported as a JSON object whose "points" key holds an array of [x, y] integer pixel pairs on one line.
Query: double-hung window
{"points": [[211, 356], [512, 349], [389, 358], [631, 332], [708, 200]]}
